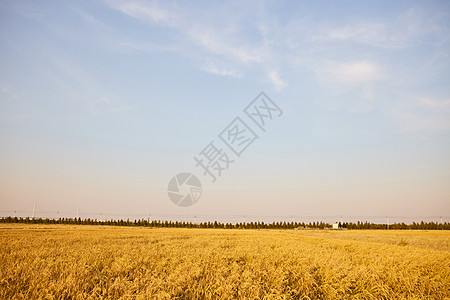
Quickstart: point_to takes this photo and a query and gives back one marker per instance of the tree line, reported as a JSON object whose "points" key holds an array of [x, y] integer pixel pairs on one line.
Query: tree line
{"points": [[244, 225]]}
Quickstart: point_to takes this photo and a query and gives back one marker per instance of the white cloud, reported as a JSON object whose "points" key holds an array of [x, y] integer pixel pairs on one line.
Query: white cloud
{"points": [[414, 122], [15, 117], [82, 87], [354, 72], [215, 42], [120, 108], [435, 103], [7, 92], [400, 32], [222, 43], [374, 34], [91, 19], [345, 52], [276, 80], [217, 68], [149, 11], [349, 86], [423, 114]]}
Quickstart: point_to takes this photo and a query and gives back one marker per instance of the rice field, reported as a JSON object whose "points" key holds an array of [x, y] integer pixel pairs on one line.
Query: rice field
{"points": [[93, 262]]}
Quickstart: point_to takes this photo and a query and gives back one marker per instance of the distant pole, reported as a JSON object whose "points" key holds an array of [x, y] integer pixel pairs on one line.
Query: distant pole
{"points": [[387, 222], [243, 218], [78, 213], [57, 214], [441, 223], [15, 215], [34, 209]]}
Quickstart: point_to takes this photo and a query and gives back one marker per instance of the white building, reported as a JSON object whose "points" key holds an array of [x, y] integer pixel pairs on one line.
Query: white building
{"points": [[335, 226]]}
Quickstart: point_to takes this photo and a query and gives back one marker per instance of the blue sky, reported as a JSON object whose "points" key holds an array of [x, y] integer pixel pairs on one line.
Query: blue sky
{"points": [[102, 102]]}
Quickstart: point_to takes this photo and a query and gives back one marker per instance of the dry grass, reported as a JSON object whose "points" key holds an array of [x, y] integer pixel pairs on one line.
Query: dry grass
{"points": [[63, 262]]}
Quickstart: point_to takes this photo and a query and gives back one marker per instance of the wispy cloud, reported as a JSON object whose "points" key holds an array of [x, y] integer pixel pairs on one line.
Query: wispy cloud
{"points": [[82, 87], [15, 117], [227, 50], [423, 114], [403, 31], [220, 68], [331, 51], [120, 108], [435, 103], [8, 92], [212, 40], [376, 34], [276, 80], [353, 72], [91, 19], [149, 11]]}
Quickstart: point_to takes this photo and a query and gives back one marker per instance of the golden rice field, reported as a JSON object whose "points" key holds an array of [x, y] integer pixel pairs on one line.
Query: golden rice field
{"points": [[87, 262]]}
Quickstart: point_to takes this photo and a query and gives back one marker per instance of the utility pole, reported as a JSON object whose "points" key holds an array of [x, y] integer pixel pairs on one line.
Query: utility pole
{"points": [[78, 213], [34, 209], [387, 222]]}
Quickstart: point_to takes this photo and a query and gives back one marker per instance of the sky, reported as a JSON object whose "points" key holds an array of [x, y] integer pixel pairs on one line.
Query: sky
{"points": [[102, 103]]}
